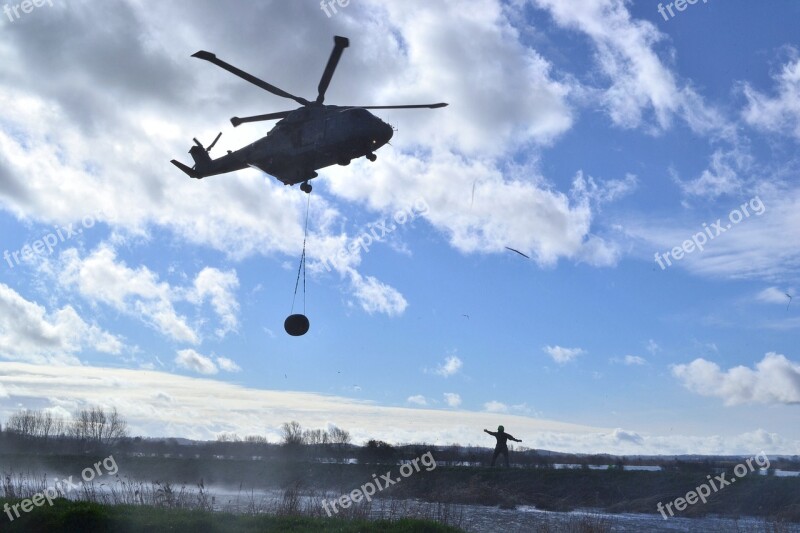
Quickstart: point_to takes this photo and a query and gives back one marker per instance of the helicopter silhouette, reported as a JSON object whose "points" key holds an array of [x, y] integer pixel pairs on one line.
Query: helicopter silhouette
{"points": [[305, 139]]}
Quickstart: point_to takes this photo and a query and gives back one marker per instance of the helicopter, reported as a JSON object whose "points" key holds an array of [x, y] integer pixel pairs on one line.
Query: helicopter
{"points": [[305, 139]]}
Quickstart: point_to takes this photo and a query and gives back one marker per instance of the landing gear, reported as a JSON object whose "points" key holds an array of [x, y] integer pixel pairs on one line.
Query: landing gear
{"points": [[305, 187], [372, 157], [344, 162]]}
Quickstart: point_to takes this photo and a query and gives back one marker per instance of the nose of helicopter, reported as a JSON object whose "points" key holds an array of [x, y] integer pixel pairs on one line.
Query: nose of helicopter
{"points": [[387, 132], [381, 133]]}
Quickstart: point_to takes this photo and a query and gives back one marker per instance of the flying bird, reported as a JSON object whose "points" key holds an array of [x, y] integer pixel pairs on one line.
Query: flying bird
{"points": [[466, 316], [790, 300], [517, 251]]}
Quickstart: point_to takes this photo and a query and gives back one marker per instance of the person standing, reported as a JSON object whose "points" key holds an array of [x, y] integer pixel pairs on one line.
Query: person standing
{"points": [[501, 447]]}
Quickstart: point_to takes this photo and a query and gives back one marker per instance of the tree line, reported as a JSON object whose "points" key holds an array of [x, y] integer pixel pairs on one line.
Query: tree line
{"points": [[93, 425]]}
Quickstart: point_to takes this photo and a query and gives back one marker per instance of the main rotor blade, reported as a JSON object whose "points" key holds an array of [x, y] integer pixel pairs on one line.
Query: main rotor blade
{"points": [[211, 58], [420, 106], [257, 118], [340, 43]]}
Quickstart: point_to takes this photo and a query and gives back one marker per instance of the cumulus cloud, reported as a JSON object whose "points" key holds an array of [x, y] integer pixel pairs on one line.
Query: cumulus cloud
{"points": [[219, 288], [563, 355], [376, 296], [29, 333], [452, 399], [495, 407], [628, 436], [101, 277], [452, 364], [775, 380], [189, 359], [228, 365], [417, 399]]}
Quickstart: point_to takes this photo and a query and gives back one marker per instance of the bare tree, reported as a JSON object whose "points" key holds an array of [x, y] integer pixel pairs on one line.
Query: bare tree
{"points": [[292, 433], [23, 423], [339, 436], [316, 437], [117, 428], [94, 425]]}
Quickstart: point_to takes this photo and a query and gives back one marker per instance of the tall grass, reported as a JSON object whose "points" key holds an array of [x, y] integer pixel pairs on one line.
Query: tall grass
{"points": [[292, 502]]}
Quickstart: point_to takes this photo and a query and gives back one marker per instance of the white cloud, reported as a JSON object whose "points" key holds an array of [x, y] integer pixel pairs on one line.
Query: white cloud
{"points": [[756, 247], [775, 380], [100, 277], [602, 192], [652, 347], [376, 296], [774, 295], [563, 355], [780, 114], [452, 364], [417, 400], [495, 407], [228, 365], [634, 360], [140, 397], [639, 84], [478, 64], [29, 333], [722, 177], [510, 208], [191, 360], [219, 287], [629, 436], [452, 399]]}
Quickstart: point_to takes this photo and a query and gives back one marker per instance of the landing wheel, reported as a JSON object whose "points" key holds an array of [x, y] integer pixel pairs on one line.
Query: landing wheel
{"points": [[344, 162], [372, 157], [305, 187]]}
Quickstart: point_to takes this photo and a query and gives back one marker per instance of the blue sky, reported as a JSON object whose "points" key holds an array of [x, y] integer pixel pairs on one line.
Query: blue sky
{"points": [[594, 134]]}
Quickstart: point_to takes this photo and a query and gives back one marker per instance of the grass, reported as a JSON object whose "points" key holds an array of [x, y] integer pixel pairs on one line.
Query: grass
{"points": [[69, 516]]}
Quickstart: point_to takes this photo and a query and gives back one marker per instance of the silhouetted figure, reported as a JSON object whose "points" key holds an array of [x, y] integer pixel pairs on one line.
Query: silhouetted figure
{"points": [[501, 447]]}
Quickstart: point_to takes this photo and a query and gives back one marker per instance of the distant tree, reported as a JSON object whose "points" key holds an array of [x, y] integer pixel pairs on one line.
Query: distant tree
{"points": [[228, 437], [339, 436], [378, 451], [94, 425], [22, 423], [292, 433], [316, 437]]}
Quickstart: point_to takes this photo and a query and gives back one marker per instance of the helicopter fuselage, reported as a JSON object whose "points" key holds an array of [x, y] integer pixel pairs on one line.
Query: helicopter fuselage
{"points": [[308, 139]]}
